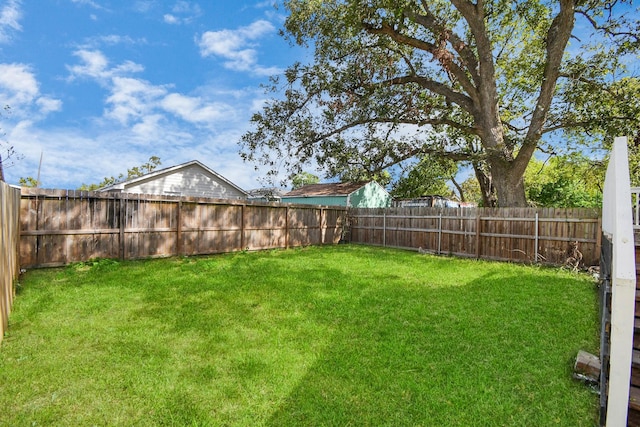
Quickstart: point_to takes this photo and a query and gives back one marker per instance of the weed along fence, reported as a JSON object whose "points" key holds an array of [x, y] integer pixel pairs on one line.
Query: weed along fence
{"points": [[553, 236], [59, 227], [9, 234]]}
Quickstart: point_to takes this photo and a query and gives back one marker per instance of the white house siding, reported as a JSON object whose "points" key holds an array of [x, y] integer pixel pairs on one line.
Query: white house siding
{"points": [[192, 181]]}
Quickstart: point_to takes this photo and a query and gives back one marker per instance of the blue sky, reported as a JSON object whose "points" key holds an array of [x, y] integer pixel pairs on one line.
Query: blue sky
{"points": [[99, 86]]}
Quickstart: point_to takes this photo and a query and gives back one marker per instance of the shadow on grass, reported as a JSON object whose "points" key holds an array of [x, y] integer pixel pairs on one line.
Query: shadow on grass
{"points": [[487, 353]]}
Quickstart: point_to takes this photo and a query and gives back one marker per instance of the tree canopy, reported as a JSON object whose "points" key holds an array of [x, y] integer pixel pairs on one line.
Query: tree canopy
{"points": [[134, 172], [428, 177], [565, 181], [484, 82], [8, 153], [304, 178]]}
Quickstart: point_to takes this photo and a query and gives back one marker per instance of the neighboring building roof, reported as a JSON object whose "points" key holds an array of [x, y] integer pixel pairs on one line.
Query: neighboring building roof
{"points": [[319, 190], [121, 186]]}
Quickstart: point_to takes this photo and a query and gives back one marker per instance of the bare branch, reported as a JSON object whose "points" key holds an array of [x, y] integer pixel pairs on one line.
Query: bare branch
{"points": [[606, 29]]}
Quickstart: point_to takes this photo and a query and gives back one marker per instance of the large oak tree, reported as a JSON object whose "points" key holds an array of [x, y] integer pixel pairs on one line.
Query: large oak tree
{"points": [[482, 82]]}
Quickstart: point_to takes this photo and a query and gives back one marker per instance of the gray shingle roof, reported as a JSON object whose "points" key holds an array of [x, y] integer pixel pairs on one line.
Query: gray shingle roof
{"points": [[335, 189]]}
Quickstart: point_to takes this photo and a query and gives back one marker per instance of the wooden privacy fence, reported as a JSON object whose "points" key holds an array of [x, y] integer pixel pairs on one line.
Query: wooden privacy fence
{"points": [[63, 226], [9, 235], [546, 235]]}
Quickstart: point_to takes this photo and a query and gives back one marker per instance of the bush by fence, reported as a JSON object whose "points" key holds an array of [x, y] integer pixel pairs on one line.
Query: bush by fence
{"points": [[60, 226], [507, 234], [9, 235]]}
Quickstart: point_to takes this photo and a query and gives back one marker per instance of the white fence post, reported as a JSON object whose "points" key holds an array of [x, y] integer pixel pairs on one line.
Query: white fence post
{"points": [[617, 224]]}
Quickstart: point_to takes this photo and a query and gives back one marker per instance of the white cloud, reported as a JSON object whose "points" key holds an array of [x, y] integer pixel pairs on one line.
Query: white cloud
{"points": [[194, 110], [19, 82], [264, 4], [115, 39], [10, 14], [96, 65], [268, 71], [90, 3], [19, 89], [182, 12], [48, 105], [149, 128], [132, 99], [186, 7], [236, 46], [170, 19], [143, 6]]}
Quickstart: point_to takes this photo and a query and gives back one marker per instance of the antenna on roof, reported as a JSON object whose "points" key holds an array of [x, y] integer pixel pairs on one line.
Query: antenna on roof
{"points": [[39, 167]]}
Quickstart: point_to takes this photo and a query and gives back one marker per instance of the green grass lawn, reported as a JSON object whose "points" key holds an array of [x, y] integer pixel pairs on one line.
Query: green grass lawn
{"points": [[332, 336]]}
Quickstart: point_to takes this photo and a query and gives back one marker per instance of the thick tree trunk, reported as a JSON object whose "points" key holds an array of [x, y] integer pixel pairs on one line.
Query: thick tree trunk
{"points": [[509, 185]]}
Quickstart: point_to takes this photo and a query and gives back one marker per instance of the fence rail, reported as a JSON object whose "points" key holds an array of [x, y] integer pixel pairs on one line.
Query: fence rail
{"points": [[59, 226], [9, 267], [509, 234]]}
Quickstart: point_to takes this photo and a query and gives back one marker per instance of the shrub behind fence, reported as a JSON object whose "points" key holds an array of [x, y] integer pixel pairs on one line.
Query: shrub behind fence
{"points": [[9, 236]]}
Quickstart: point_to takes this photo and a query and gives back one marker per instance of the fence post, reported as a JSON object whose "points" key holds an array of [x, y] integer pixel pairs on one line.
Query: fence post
{"points": [[242, 222], [535, 260], [123, 220], [384, 228], [439, 233], [599, 236], [478, 225], [286, 227], [323, 225], [179, 228]]}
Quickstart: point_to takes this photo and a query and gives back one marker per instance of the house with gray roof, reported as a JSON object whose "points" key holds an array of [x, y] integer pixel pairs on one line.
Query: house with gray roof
{"points": [[366, 194], [191, 179]]}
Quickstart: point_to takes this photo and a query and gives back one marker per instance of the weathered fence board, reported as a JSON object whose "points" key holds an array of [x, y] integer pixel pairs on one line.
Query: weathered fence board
{"points": [[59, 227], [506, 234], [9, 237]]}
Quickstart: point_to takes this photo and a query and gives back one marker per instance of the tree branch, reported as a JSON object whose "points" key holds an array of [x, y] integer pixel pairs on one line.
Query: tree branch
{"points": [[430, 22], [451, 95], [455, 156], [444, 57], [608, 30], [435, 122], [489, 116], [557, 38]]}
